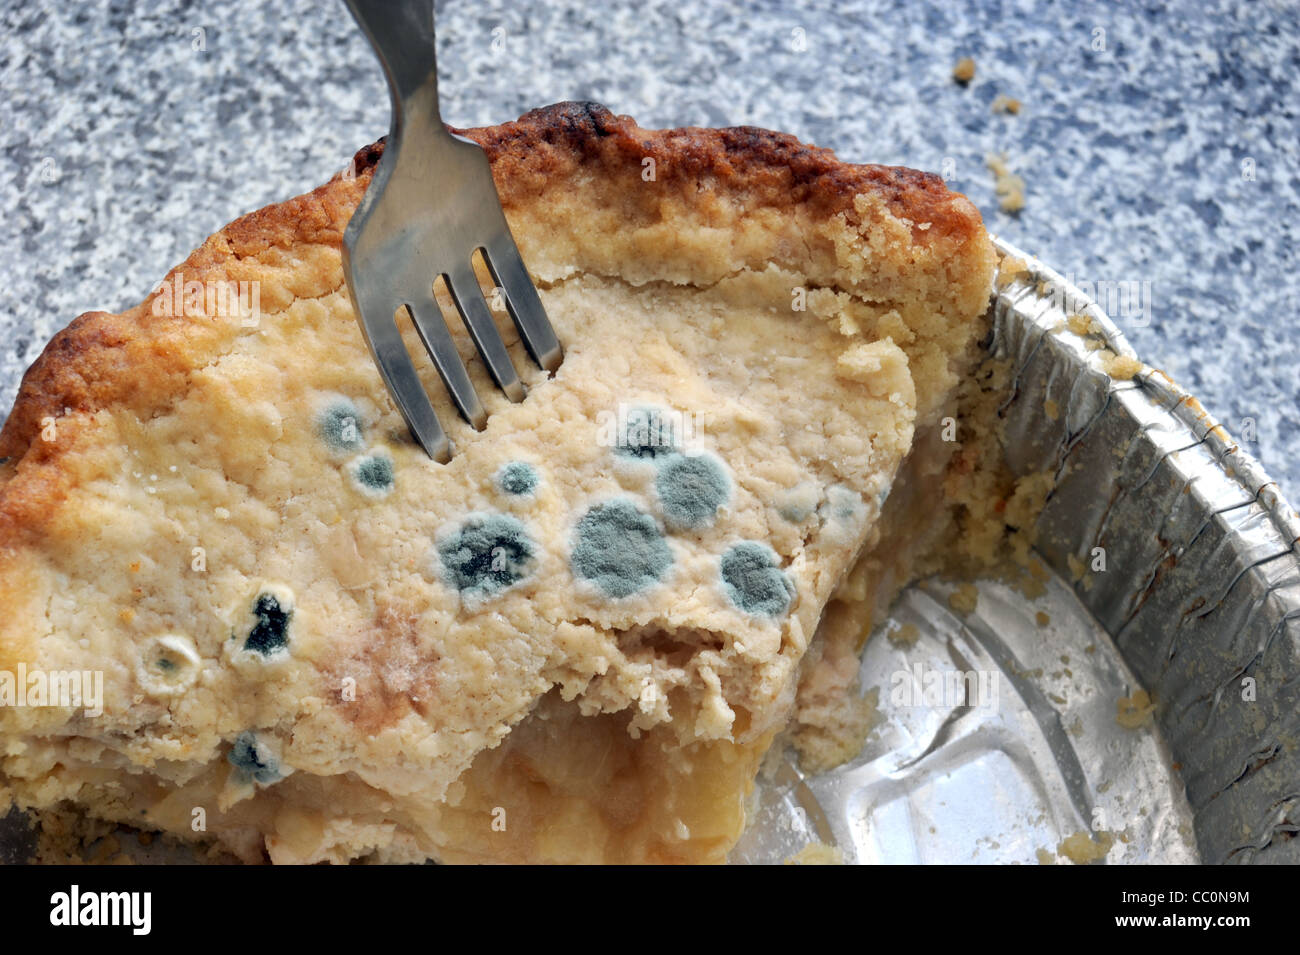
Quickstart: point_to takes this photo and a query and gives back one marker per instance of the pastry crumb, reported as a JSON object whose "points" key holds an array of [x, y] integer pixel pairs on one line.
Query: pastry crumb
{"points": [[1134, 712], [964, 599], [1010, 269], [904, 636], [1009, 187], [817, 853], [831, 735], [1122, 367], [1081, 325], [1081, 848], [1005, 104], [964, 71]]}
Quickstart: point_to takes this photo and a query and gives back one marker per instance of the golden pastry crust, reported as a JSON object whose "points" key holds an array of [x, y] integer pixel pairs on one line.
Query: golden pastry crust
{"points": [[718, 179], [146, 444]]}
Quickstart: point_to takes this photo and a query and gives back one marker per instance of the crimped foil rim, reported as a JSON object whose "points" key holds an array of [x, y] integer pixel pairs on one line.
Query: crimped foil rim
{"points": [[1237, 461], [1220, 603]]}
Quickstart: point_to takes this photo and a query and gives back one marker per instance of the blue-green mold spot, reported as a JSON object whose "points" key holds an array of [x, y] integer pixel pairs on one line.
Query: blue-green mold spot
{"points": [[798, 503], [620, 549], [753, 579], [271, 631], [339, 426], [252, 760], [488, 554], [372, 474], [842, 504], [647, 433], [691, 489], [517, 477]]}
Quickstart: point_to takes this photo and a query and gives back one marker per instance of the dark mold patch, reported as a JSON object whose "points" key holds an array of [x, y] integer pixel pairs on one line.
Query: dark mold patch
{"points": [[490, 553], [271, 632], [620, 549], [753, 579]]}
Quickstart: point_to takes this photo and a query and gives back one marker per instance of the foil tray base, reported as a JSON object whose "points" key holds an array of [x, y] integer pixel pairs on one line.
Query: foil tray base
{"points": [[997, 739]]}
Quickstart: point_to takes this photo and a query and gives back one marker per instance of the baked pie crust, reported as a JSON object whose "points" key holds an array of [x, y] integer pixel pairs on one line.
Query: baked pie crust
{"points": [[568, 644]]}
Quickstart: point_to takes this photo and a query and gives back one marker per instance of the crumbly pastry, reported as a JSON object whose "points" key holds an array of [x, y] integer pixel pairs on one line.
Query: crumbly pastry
{"points": [[575, 641]]}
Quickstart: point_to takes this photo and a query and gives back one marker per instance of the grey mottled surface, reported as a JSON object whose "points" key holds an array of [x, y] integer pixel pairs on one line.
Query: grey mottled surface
{"points": [[1159, 144]]}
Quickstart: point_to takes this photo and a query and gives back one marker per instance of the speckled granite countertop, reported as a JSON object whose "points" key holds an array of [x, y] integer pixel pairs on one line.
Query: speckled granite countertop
{"points": [[1157, 145]]}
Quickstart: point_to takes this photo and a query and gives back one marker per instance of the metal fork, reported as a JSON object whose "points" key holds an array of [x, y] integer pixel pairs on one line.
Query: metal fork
{"points": [[430, 205]]}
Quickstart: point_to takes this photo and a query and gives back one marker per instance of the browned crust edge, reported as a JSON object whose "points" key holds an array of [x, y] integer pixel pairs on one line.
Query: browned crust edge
{"points": [[93, 363]]}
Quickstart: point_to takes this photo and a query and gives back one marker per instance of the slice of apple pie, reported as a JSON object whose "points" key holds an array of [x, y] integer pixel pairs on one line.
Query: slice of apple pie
{"points": [[572, 643]]}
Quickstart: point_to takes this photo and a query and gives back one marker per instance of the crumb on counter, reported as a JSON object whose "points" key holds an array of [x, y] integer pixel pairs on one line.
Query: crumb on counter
{"points": [[1005, 104], [1009, 187], [964, 71]]}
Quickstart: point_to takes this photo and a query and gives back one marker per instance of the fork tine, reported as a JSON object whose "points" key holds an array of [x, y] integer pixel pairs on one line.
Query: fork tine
{"points": [[399, 374], [468, 297], [429, 322], [525, 306]]}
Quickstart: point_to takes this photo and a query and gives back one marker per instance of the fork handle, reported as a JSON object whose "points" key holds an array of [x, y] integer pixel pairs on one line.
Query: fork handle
{"points": [[401, 32]]}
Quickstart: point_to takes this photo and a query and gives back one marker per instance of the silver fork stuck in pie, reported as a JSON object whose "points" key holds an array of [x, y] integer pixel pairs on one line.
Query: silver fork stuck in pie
{"points": [[430, 205]]}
